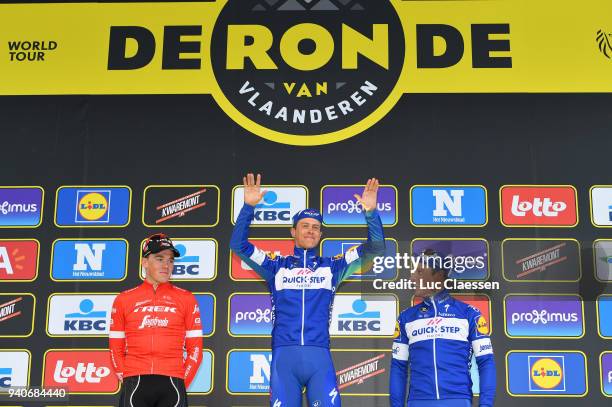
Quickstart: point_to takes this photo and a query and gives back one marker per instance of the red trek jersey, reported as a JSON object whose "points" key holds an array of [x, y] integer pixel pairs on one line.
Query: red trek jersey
{"points": [[150, 329]]}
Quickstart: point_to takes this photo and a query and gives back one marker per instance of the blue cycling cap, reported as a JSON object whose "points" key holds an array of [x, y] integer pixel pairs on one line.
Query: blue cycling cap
{"points": [[307, 213]]}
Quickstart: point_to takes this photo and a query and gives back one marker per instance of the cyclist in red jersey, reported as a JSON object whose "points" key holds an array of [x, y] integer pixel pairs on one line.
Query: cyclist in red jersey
{"points": [[152, 325]]}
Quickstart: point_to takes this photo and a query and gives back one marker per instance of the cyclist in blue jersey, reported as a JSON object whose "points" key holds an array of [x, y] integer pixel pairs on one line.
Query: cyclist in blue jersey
{"points": [[302, 288], [434, 344]]}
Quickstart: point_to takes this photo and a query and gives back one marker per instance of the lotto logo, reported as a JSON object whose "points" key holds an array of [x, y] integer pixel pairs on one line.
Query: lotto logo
{"points": [[538, 206], [83, 371]]}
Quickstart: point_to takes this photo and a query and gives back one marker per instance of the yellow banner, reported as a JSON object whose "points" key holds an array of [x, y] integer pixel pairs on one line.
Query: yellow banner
{"points": [[553, 47]]}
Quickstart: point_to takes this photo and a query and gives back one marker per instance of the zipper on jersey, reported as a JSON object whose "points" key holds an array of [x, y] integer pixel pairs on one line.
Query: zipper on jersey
{"points": [[154, 304], [303, 302], [433, 301]]}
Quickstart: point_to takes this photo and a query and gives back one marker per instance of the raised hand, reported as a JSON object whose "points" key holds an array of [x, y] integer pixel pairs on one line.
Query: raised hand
{"points": [[252, 189], [369, 195]]}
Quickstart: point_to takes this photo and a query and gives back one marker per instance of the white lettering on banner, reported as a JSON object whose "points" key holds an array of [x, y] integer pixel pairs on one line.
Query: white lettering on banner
{"points": [[155, 308], [7, 207], [482, 347], [180, 206], [148, 322], [543, 317], [258, 315], [261, 368], [300, 278], [451, 202], [92, 254], [539, 207], [82, 373], [5, 261], [439, 328], [610, 376]]}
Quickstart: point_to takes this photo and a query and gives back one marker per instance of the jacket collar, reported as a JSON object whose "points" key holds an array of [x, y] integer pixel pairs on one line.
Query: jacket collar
{"points": [[440, 297], [160, 287], [310, 253]]}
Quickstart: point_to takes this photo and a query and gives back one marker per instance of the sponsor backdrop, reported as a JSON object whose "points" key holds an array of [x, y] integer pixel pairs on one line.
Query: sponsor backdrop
{"points": [[487, 123]]}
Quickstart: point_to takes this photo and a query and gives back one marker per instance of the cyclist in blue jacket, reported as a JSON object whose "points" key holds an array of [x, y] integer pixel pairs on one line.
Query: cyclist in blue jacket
{"points": [[302, 288], [434, 344]]}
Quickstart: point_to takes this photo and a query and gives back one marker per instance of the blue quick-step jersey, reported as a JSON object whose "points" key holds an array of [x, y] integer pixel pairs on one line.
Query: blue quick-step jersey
{"points": [[302, 286], [435, 343]]}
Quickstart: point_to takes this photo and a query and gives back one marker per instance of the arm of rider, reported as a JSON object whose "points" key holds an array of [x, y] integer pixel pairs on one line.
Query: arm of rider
{"points": [[260, 261], [399, 368], [116, 338], [193, 339]]}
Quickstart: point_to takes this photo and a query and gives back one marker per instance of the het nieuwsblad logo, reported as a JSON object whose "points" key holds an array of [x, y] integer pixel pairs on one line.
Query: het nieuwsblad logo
{"points": [[307, 72]]}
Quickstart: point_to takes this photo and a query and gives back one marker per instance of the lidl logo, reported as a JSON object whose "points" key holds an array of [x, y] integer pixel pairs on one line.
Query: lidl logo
{"points": [[93, 206], [546, 373], [79, 315], [482, 326], [203, 381], [248, 371], [379, 269], [454, 205], [89, 260]]}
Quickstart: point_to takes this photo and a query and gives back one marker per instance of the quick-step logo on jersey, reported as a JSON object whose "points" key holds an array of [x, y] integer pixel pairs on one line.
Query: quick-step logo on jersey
{"points": [[546, 373], [18, 259], [448, 205], [339, 206], [277, 206], [202, 383], [95, 206], [379, 270], [21, 207], [240, 270], [14, 368], [542, 316], [79, 315], [372, 315], [248, 371], [538, 205], [89, 260], [307, 72], [303, 278], [250, 314], [197, 260], [80, 371]]}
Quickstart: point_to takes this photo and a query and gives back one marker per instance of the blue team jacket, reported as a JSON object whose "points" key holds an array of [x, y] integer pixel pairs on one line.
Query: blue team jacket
{"points": [[302, 286], [435, 341]]}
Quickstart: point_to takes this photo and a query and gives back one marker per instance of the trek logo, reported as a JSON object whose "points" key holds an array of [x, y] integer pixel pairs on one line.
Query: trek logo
{"points": [[541, 316], [79, 315], [155, 308], [601, 206], [277, 207], [14, 369], [355, 316], [454, 205], [340, 207], [248, 371], [18, 259], [538, 205], [85, 371], [181, 205], [93, 206], [21, 207], [197, 260], [546, 373], [89, 260], [250, 314]]}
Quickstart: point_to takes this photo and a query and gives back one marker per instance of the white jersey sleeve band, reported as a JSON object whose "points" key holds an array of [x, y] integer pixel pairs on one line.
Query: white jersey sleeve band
{"points": [[400, 351], [482, 347]]}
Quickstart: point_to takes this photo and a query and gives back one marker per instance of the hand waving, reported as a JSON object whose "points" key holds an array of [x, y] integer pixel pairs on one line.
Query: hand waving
{"points": [[252, 191], [369, 195]]}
